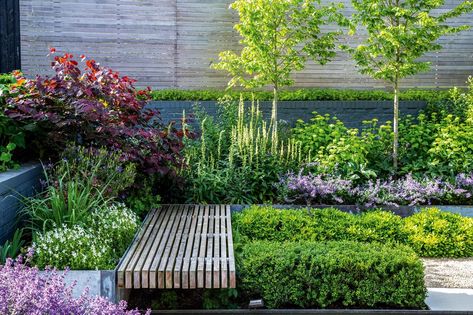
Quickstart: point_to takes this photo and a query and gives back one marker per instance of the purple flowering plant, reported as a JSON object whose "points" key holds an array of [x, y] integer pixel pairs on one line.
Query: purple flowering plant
{"points": [[319, 189], [314, 188], [23, 290]]}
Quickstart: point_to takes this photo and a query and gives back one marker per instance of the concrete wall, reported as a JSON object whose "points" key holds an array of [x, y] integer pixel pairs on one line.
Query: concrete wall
{"points": [[352, 113], [14, 185]]}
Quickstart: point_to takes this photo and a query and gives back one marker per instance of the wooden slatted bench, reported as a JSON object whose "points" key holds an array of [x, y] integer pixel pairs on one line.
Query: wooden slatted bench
{"points": [[181, 246]]}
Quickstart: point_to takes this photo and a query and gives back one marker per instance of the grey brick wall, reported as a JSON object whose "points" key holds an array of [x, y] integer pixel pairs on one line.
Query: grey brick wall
{"points": [[14, 185], [352, 113]]}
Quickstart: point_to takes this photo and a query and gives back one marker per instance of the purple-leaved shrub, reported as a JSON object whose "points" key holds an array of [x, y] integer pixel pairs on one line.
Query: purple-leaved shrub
{"points": [[23, 290]]}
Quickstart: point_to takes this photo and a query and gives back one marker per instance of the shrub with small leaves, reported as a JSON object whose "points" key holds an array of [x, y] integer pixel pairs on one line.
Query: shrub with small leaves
{"points": [[431, 233], [435, 233], [332, 274]]}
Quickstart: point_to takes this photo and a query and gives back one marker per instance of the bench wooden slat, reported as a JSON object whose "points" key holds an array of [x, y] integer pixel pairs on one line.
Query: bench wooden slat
{"points": [[195, 250], [215, 259], [223, 247], [140, 278], [181, 246], [203, 248], [148, 279], [171, 261], [135, 250], [210, 248], [231, 262], [169, 246], [189, 247], [153, 268]]}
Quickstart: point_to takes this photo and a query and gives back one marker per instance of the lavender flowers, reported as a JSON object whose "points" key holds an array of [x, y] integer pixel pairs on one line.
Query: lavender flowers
{"points": [[24, 291]]}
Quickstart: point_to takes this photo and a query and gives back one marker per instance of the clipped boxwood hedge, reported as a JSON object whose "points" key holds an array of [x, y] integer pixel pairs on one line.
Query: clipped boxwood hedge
{"points": [[430, 96], [431, 232], [332, 274]]}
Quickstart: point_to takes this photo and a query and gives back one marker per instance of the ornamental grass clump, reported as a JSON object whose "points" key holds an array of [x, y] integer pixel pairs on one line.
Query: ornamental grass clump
{"points": [[23, 290], [83, 180]]}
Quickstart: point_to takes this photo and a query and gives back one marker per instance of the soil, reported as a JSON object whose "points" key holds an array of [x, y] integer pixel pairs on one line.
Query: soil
{"points": [[448, 273]]}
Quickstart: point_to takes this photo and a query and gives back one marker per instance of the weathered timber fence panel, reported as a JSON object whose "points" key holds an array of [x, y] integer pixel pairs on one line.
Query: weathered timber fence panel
{"points": [[171, 43], [9, 35]]}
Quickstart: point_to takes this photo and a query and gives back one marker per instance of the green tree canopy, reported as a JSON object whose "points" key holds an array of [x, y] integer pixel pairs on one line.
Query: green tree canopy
{"points": [[400, 32], [278, 37]]}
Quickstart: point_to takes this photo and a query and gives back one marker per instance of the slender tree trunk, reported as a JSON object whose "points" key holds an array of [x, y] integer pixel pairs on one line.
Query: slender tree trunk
{"points": [[396, 126], [274, 113]]}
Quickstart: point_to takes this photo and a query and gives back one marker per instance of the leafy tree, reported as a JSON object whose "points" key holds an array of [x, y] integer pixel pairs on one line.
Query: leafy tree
{"points": [[399, 33], [278, 37]]}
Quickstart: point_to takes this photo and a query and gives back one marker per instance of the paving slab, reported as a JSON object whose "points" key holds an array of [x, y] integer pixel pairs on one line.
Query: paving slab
{"points": [[447, 299]]}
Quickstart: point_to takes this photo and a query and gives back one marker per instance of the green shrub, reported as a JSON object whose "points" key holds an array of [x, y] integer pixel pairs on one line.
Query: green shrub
{"points": [[431, 233], [349, 153], [435, 233], [333, 274], [12, 136], [451, 152], [430, 96], [319, 132], [267, 223]]}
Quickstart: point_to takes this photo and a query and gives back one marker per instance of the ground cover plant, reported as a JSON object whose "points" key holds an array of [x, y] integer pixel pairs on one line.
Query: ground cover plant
{"points": [[23, 290]]}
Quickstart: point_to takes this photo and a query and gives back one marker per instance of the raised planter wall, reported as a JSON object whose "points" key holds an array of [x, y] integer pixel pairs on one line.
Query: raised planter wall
{"points": [[97, 282], [352, 113], [14, 185]]}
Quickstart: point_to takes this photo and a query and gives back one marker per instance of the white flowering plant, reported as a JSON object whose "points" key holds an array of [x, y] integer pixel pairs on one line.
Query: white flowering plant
{"points": [[98, 244], [72, 247], [117, 223]]}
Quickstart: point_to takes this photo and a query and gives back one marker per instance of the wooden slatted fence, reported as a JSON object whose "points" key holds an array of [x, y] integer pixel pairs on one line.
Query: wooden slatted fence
{"points": [[181, 246], [171, 43]]}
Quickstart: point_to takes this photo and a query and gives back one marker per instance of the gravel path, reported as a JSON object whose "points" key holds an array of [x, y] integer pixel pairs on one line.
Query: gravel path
{"points": [[448, 273]]}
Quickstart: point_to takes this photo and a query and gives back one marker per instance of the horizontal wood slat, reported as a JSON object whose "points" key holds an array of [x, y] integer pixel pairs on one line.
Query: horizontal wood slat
{"points": [[171, 43], [181, 246]]}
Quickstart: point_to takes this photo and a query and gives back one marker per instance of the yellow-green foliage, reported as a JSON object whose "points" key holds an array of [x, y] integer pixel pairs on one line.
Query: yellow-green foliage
{"points": [[434, 233], [431, 232]]}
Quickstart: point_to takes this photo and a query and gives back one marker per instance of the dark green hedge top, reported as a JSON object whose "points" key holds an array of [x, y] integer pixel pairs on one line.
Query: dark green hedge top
{"points": [[430, 96]]}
